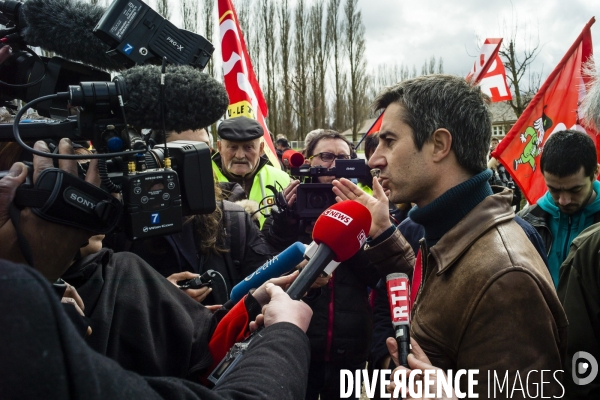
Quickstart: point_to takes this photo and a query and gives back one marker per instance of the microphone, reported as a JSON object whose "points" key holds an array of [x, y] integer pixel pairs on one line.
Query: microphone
{"points": [[399, 297], [292, 159], [275, 267], [339, 233], [66, 28], [193, 99]]}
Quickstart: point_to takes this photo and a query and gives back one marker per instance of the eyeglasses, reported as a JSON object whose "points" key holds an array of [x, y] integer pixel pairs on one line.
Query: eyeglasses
{"points": [[328, 157]]}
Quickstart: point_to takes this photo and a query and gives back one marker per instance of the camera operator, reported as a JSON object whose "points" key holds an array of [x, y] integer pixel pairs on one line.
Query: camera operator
{"points": [[226, 241], [49, 358], [340, 332]]}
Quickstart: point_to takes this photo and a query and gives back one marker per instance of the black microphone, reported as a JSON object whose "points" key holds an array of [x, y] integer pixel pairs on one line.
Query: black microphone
{"points": [[193, 99], [66, 28]]}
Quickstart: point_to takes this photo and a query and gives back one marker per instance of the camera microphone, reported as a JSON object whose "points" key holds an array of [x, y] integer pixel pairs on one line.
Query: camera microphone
{"points": [[193, 99], [292, 159], [66, 28]]}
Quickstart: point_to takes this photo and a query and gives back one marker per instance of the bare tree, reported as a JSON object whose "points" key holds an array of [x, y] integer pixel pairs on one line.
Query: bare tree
{"points": [[299, 83], [319, 57], [440, 66], [285, 43], [333, 32], [269, 22], [162, 7], [517, 62], [432, 65], [189, 15], [355, 48], [208, 11]]}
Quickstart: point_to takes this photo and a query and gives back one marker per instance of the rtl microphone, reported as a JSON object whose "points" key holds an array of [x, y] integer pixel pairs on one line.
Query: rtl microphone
{"points": [[399, 297], [339, 233], [292, 159], [275, 267]]}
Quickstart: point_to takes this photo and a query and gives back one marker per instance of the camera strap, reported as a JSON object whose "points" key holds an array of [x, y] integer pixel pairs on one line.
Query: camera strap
{"points": [[60, 197]]}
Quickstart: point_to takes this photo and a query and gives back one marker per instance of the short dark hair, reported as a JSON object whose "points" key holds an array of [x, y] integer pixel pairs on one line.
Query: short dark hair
{"points": [[282, 142], [371, 143], [432, 102], [328, 134], [565, 152]]}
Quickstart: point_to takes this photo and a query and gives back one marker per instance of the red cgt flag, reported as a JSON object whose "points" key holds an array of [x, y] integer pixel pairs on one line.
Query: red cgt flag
{"points": [[245, 97], [489, 71], [554, 108]]}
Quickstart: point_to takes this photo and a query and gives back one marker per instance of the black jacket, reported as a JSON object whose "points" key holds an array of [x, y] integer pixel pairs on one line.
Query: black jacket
{"points": [[248, 250], [341, 326], [579, 293], [43, 357]]}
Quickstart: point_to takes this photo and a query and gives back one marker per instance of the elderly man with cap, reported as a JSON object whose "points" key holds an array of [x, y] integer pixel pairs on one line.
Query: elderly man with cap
{"points": [[239, 160]]}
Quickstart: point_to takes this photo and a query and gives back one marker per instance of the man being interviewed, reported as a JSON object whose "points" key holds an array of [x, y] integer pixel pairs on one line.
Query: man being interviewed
{"points": [[486, 300]]}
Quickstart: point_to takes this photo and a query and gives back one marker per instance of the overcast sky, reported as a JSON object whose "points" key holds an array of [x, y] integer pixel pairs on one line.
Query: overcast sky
{"points": [[411, 31], [408, 31]]}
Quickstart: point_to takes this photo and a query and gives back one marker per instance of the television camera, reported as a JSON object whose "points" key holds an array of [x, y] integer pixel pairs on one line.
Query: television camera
{"points": [[158, 184]]}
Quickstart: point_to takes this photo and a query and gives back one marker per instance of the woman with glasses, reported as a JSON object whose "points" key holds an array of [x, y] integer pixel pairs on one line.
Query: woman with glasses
{"points": [[341, 328]]}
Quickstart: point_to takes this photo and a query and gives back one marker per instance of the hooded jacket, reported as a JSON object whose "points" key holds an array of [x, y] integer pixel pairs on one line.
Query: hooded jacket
{"points": [[559, 229]]}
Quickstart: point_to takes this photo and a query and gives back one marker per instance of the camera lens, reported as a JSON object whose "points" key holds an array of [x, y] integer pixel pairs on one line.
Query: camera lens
{"points": [[317, 200]]}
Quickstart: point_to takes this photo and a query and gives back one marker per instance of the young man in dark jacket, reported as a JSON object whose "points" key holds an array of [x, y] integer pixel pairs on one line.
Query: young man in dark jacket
{"points": [[569, 164]]}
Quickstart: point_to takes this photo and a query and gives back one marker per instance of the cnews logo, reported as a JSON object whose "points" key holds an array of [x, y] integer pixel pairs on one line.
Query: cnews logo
{"points": [[584, 364]]}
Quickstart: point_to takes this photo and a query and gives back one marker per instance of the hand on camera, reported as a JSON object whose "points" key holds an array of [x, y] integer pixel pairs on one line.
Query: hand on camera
{"points": [[197, 294], [4, 53], [52, 245]]}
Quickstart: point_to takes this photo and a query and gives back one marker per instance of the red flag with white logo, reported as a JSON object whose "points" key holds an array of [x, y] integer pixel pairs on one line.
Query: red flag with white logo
{"points": [[489, 71], [554, 108], [245, 96]]}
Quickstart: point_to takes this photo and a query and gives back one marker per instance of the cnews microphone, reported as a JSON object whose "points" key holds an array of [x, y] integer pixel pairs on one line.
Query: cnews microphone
{"points": [[277, 266], [399, 297], [292, 159], [340, 232]]}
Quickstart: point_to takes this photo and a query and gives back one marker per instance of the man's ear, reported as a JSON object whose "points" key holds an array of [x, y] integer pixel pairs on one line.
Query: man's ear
{"points": [[261, 146], [219, 146], [596, 172], [442, 144]]}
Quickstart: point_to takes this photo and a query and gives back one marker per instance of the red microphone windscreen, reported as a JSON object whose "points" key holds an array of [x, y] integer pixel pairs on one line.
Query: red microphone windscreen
{"points": [[343, 227], [293, 159], [399, 294]]}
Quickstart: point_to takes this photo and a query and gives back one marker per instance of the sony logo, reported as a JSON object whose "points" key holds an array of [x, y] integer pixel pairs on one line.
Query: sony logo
{"points": [[174, 43], [82, 201], [79, 199]]}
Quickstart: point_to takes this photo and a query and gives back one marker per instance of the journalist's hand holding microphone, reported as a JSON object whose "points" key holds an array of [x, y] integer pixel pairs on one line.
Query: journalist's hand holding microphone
{"points": [[277, 306]]}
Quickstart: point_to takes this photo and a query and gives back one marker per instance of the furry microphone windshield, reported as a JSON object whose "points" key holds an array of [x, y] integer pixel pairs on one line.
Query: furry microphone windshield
{"points": [[193, 99], [65, 27]]}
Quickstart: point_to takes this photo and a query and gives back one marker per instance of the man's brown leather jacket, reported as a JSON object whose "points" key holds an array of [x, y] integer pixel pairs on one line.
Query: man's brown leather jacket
{"points": [[486, 302]]}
